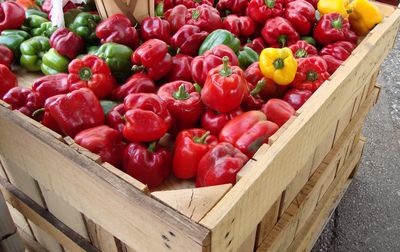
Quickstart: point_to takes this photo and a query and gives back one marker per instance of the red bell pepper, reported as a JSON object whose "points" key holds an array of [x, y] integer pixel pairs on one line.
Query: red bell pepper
{"points": [[188, 39], [253, 100], [180, 68], [190, 146], [351, 36], [257, 44], [314, 3], [240, 26], [311, 73], [23, 99], [279, 32], [330, 28], [176, 17], [201, 65], [296, 97], [248, 131], [137, 83], [12, 15], [237, 7], [76, 111], [225, 87], [51, 85], [115, 118], [150, 165], [155, 28], [261, 10], [214, 121], [103, 141], [153, 57], [147, 118], [193, 3], [93, 73], [278, 111], [6, 56], [335, 54], [118, 29], [8, 80], [220, 166], [67, 43], [301, 15], [183, 103], [45, 118], [302, 49]]}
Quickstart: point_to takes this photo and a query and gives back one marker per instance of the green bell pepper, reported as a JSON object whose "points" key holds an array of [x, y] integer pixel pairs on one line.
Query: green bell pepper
{"points": [[13, 40], [30, 12], [54, 63], [70, 16], [219, 37], [32, 51], [45, 29], [92, 49], [117, 57], [309, 40], [246, 57], [34, 21], [84, 25]]}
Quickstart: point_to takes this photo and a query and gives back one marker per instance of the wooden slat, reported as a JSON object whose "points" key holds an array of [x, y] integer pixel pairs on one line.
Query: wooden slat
{"points": [[268, 222], [30, 244], [100, 238]]}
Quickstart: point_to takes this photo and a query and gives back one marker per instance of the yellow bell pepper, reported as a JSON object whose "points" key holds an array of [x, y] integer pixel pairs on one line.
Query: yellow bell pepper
{"points": [[330, 6], [364, 16], [278, 65]]}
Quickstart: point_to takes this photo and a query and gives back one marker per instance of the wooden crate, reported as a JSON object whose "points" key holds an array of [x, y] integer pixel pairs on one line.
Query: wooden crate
{"points": [[65, 198]]}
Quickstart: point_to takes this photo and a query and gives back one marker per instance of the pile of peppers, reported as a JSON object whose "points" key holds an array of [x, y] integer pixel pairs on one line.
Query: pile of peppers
{"points": [[192, 92]]}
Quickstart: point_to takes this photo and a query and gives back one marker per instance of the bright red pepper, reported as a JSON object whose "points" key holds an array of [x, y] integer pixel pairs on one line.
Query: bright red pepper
{"points": [[118, 29], [225, 87], [301, 15], [150, 165], [240, 26], [314, 3], [103, 141], [296, 97], [51, 85], [76, 111], [6, 56], [183, 103], [311, 73], [220, 165], [137, 83], [23, 99], [12, 15], [67, 43], [46, 118], [257, 44], [330, 28], [253, 100], [302, 49], [335, 54], [115, 118], [188, 39], [233, 6], [261, 10], [93, 73], [153, 57], [351, 36], [194, 3], [176, 17], [147, 117], [180, 68], [279, 32], [8, 80], [201, 65], [214, 121], [190, 146], [278, 111], [155, 28]]}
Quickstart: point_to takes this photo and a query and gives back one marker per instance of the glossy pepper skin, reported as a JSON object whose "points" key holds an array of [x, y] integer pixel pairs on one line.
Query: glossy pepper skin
{"points": [[155, 28], [312, 2], [76, 111], [46, 29], [34, 11], [6, 56], [302, 49], [54, 63], [331, 28], [150, 165], [180, 68], [23, 99], [261, 10], [51, 85], [334, 6], [193, 3], [190, 146], [84, 25], [117, 58], [237, 7], [279, 32], [311, 73], [220, 37], [33, 22], [246, 57], [278, 111], [253, 100], [220, 165], [8, 80], [183, 103], [115, 119], [225, 87], [278, 65], [335, 54], [188, 39], [364, 16], [32, 51], [93, 73], [214, 121], [240, 26], [257, 44], [67, 43], [12, 15], [301, 15], [147, 117], [118, 29], [137, 83], [13, 40], [103, 141], [201, 65], [296, 97], [153, 58]]}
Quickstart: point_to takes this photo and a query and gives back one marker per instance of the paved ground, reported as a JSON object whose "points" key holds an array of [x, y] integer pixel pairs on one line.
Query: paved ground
{"points": [[368, 218]]}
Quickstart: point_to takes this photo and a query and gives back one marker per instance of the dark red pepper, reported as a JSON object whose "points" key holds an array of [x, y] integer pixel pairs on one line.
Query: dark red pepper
{"points": [[23, 99], [257, 44], [240, 26], [6, 56], [279, 32], [296, 97], [214, 121], [253, 100], [12, 15], [155, 28], [115, 118], [261, 10], [335, 54], [137, 83], [311, 73], [193, 3], [188, 39], [302, 49], [314, 3], [46, 118], [351, 36], [180, 68], [67, 43], [278, 111], [330, 28], [8, 80], [51, 85], [301, 15], [237, 7], [176, 17]]}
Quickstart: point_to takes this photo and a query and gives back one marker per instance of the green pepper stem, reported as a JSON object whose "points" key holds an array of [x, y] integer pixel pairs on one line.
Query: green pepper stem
{"points": [[279, 63], [202, 139], [270, 3], [197, 87], [312, 76], [337, 24], [152, 147], [38, 112], [226, 71], [181, 94], [260, 85], [137, 68], [85, 73], [282, 40], [301, 53], [195, 14]]}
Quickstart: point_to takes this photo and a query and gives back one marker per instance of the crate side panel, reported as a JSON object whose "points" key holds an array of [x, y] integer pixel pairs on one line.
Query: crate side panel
{"points": [[268, 222]]}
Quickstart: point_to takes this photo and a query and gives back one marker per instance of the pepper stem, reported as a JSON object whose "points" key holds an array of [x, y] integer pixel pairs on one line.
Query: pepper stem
{"points": [[137, 68], [85, 73], [226, 71], [337, 24], [152, 147], [270, 3], [197, 87], [301, 53], [279, 63], [195, 14], [38, 112], [198, 1], [312, 76], [282, 40], [181, 94], [260, 85], [202, 139]]}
